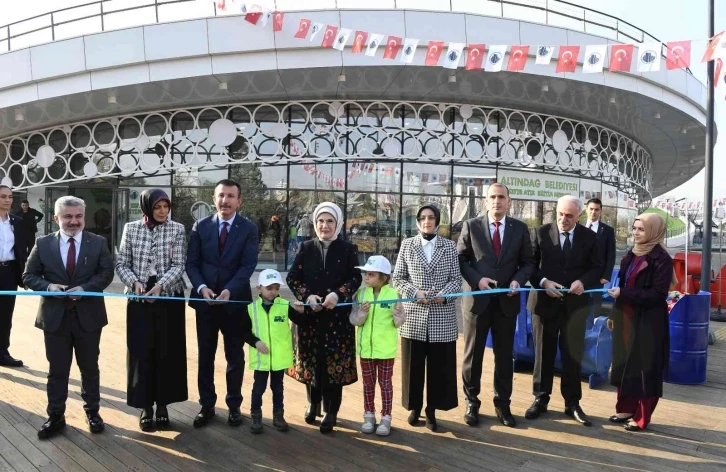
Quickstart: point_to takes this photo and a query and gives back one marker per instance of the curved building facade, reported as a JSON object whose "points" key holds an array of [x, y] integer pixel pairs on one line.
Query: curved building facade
{"points": [[183, 105]]}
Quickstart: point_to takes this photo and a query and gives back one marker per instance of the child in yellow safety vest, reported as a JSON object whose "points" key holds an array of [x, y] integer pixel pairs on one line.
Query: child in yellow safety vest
{"points": [[377, 316], [272, 354]]}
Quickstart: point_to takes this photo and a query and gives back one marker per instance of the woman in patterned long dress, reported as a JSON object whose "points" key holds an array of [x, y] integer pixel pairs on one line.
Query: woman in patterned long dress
{"points": [[324, 275], [427, 268], [151, 261]]}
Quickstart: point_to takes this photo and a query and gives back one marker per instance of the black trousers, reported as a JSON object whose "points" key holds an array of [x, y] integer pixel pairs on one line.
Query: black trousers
{"points": [[476, 330], [331, 396], [8, 281], [156, 364], [276, 378], [209, 323], [434, 362], [59, 348], [569, 328]]}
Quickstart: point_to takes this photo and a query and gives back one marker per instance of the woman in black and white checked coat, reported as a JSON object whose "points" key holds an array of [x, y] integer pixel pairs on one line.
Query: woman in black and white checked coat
{"points": [[151, 260], [428, 267]]}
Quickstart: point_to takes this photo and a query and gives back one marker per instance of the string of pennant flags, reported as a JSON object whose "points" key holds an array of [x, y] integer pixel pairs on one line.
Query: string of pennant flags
{"points": [[691, 205], [490, 58]]}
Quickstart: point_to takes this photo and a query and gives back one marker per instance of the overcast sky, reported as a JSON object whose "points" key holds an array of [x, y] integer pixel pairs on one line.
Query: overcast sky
{"points": [[668, 20]]}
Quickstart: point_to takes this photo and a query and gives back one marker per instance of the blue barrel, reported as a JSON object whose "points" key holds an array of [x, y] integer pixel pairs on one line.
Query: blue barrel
{"points": [[689, 339]]}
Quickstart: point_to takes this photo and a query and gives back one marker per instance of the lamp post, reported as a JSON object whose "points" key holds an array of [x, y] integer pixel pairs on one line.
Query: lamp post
{"points": [[708, 177]]}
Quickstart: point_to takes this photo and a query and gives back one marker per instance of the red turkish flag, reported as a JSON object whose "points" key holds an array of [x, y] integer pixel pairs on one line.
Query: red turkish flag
{"points": [[475, 56], [717, 72], [393, 44], [713, 47], [329, 37], [567, 61], [621, 57], [277, 19], [359, 42], [433, 53], [222, 5], [303, 29], [679, 55], [517, 58]]}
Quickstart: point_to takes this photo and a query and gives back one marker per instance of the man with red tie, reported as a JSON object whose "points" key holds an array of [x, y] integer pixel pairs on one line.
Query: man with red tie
{"points": [[71, 260], [495, 251], [221, 258]]}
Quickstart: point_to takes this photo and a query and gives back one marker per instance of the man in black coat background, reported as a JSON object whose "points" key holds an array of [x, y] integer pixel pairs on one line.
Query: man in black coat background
{"points": [[566, 257], [606, 245], [31, 217]]}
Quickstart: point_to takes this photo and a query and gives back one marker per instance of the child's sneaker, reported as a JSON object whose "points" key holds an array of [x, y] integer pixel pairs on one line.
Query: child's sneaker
{"points": [[256, 426], [369, 422], [384, 429]]}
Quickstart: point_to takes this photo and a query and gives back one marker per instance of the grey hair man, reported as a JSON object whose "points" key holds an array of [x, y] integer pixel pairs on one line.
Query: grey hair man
{"points": [[70, 260], [566, 258]]}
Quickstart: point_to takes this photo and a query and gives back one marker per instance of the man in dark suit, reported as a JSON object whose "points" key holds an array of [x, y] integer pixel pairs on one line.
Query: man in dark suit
{"points": [[494, 251], [566, 257], [221, 259], [606, 244], [71, 260], [31, 217], [13, 252]]}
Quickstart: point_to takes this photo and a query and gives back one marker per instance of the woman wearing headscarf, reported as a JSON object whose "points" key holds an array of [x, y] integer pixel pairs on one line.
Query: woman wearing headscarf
{"points": [[151, 260], [324, 274], [639, 322], [427, 269]]}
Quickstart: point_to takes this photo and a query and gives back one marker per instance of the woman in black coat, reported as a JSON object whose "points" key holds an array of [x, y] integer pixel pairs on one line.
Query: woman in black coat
{"points": [[639, 322], [324, 274]]}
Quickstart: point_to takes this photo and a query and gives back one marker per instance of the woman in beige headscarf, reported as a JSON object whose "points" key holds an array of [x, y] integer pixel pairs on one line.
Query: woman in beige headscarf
{"points": [[639, 322]]}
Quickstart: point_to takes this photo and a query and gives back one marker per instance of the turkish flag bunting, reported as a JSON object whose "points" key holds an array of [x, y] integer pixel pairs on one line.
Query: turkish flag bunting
{"points": [[475, 56], [433, 53], [393, 44], [222, 5], [277, 19], [329, 37], [517, 58], [621, 57], [567, 61], [716, 48], [717, 72], [254, 14], [303, 29], [679, 55], [360, 41]]}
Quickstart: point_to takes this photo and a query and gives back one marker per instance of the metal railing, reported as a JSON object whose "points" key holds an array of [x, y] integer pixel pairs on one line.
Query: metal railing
{"points": [[104, 15]]}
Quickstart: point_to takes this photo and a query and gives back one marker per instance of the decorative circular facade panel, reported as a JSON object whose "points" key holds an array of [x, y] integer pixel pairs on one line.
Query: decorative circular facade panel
{"points": [[159, 142]]}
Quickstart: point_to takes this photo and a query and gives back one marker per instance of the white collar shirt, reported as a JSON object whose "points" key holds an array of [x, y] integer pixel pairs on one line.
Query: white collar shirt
{"points": [[594, 226], [7, 240], [428, 247], [65, 246], [492, 228]]}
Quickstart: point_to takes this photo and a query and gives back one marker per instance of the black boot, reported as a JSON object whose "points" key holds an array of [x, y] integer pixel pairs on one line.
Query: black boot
{"points": [[431, 418], [256, 426], [413, 417], [312, 412], [328, 423], [278, 420]]}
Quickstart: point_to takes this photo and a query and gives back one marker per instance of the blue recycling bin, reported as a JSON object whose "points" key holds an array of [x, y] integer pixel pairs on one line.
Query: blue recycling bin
{"points": [[689, 339]]}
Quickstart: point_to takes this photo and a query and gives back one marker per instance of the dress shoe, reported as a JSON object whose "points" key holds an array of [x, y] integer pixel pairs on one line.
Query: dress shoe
{"points": [[95, 422], [203, 417], [617, 419], [54, 424], [505, 416], [632, 427], [8, 361], [413, 417], [328, 423], [312, 412], [578, 415], [538, 407], [472, 414], [235, 417], [431, 419]]}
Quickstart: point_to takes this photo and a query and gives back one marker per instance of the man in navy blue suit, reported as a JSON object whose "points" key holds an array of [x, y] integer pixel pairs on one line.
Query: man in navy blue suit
{"points": [[221, 259]]}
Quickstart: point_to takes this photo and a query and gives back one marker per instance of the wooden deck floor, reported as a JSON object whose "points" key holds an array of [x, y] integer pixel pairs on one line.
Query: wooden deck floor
{"points": [[688, 430]]}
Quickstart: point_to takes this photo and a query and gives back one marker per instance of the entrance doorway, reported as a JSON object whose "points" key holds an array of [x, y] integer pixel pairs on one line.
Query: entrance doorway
{"points": [[107, 210]]}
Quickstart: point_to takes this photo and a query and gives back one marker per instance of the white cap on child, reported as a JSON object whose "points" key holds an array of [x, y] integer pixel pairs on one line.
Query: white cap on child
{"points": [[268, 277], [376, 264]]}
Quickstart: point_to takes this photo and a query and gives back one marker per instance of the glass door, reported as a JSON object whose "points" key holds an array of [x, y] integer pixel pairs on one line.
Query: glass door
{"points": [[51, 195], [121, 214]]}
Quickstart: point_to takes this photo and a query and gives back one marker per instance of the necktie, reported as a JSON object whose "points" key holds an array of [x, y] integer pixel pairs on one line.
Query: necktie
{"points": [[223, 236], [567, 246], [71, 258], [497, 240]]}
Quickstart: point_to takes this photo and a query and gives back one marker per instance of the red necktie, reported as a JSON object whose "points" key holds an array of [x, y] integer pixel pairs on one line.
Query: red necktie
{"points": [[71, 258], [497, 239], [223, 236]]}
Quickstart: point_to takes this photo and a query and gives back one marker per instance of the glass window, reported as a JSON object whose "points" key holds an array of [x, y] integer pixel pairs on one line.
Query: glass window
{"points": [[191, 204], [374, 176], [622, 230], [318, 176], [372, 223], [474, 181], [466, 208], [151, 180], [431, 179]]}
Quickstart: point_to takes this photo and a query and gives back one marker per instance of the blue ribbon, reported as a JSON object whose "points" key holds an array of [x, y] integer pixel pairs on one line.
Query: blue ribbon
{"points": [[492, 291]]}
